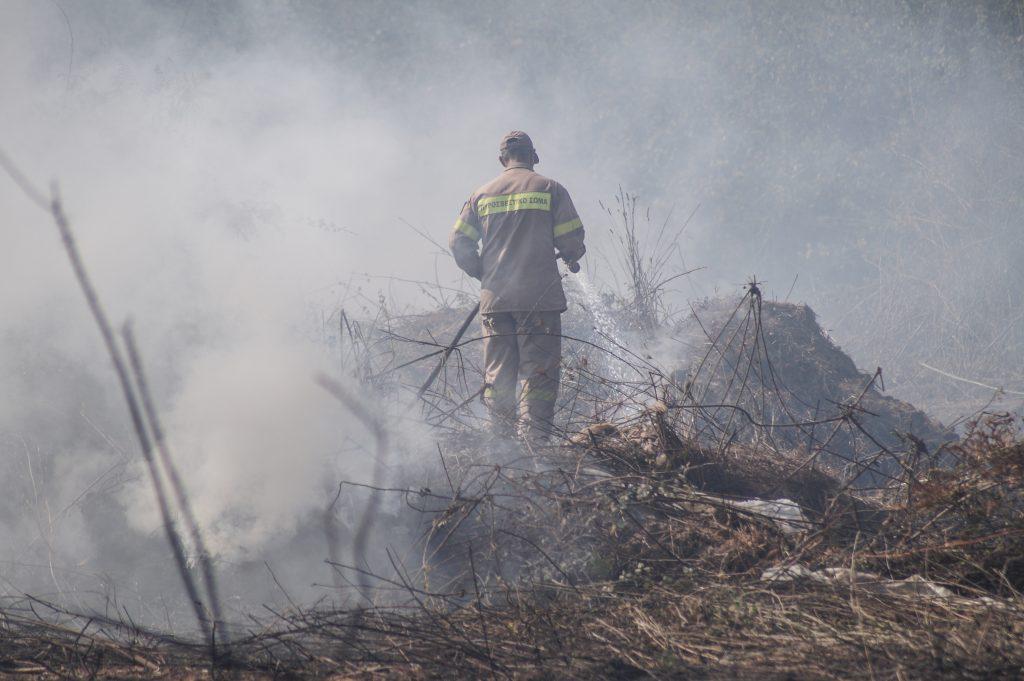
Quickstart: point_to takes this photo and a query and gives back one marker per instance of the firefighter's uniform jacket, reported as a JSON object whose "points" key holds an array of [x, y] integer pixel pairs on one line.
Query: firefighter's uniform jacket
{"points": [[520, 219]]}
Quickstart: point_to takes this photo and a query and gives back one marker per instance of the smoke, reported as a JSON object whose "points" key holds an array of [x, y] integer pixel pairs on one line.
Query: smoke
{"points": [[238, 172], [256, 440]]}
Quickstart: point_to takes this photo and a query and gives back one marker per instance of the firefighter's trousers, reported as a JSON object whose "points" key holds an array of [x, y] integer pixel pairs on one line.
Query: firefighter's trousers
{"points": [[523, 346]]}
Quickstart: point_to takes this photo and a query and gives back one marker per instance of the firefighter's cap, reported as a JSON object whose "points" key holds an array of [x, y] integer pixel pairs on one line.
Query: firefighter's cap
{"points": [[517, 139]]}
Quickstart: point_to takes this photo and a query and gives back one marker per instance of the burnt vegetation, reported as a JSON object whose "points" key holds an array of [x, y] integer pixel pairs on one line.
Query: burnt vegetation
{"points": [[758, 509]]}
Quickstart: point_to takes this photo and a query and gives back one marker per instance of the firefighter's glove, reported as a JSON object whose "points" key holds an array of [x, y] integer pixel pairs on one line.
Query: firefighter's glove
{"points": [[572, 261], [572, 255]]}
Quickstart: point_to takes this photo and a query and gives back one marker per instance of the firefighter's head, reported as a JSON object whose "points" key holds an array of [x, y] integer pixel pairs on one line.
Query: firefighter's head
{"points": [[517, 146]]}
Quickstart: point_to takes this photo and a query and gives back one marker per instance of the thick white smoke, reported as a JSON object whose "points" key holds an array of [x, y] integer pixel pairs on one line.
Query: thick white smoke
{"points": [[257, 442]]}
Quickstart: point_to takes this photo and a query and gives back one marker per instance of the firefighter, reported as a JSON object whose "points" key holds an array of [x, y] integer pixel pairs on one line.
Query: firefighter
{"points": [[523, 222]]}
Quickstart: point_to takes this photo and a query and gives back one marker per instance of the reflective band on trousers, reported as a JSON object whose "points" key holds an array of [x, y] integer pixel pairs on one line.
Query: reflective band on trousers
{"points": [[491, 393], [567, 227], [512, 202], [467, 229]]}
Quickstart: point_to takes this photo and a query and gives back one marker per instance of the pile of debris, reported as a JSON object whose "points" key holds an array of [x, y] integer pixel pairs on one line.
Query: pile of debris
{"points": [[633, 550], [766, 373], [601, 559]]}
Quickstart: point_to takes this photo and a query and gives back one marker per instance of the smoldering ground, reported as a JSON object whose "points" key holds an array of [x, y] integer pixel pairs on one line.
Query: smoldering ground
{"points": [[235, 171]]}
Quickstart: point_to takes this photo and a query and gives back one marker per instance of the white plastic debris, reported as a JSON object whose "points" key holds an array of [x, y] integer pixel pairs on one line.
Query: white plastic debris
{"points": [[782, 574], [786, 513], [915, 585]]}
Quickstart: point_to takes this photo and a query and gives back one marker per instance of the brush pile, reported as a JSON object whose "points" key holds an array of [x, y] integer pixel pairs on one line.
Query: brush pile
{"points": [[606, 563], [601, 559], [769, 373]]}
